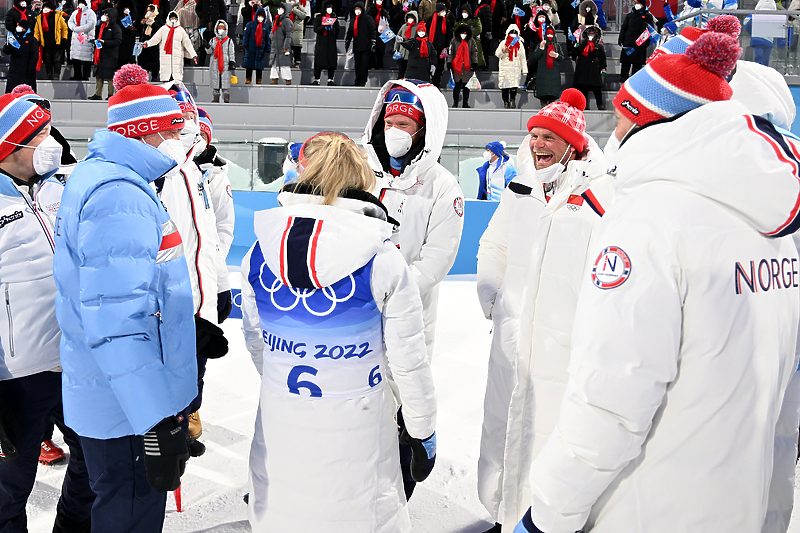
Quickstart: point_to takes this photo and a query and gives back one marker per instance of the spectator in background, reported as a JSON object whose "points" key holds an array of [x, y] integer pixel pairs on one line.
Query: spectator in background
{"points": [[513, 65], [249, 12], [422, 55], [24, 52], [256, 44], [462, 60], [209, 11], [127, 14], [590, 65], [440, 31], [533, 34], [426, 9], [475, 26], [148, 58], [175, 45], [109, 36], [299, 12], [21, 10], [325, 51], [280, 57], [586, 16], [223, 62], [762, 46], [633, 56], [187, 15], [363, 33], [51, 30], [548, 74], [496, 173], [407, 32], [379, 14], [492, 14], [658, 9], [82, 22]]}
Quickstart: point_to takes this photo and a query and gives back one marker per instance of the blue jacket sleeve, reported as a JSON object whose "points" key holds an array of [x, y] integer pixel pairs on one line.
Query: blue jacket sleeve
{"points": [[511, 173], [118, 237], [248, 31], [482, 170]]}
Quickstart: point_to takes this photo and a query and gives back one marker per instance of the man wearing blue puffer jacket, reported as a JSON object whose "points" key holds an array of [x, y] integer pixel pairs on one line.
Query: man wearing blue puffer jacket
{"points": [[125, 309]]}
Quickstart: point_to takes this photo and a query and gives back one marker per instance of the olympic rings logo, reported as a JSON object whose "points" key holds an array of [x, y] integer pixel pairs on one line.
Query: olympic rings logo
{"points": [[304, 294]]}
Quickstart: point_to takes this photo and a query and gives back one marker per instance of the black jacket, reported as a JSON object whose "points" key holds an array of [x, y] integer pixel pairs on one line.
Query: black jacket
{"points": [[419, 68], [589, 67], [325, 53], [211, 11], [22, 67], [492, 21], [441, 40], [15, 14], [367, 31], [112, 39], [632, 27]]}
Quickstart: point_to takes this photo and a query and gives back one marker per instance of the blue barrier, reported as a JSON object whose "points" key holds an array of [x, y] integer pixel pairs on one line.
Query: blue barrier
{"points": [[476, 216]]}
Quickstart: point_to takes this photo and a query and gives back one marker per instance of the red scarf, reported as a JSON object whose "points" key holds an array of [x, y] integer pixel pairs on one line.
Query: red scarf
{"points": [[423, 47], [259, 34], [22, 14], [378, 14], [540, 31], [218, 54], [479, 9], [276, 26], [550, 47], [493, 3], [461, 61], [45, 24], [512, 50], [355, 25], [99, 36], [168, 41], [78, 17], [409, 31], [519, 22], [588, 48], [433, 26]]}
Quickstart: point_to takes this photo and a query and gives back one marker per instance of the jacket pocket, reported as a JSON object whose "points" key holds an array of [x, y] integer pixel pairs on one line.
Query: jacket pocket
{"points": [[10, 321]]}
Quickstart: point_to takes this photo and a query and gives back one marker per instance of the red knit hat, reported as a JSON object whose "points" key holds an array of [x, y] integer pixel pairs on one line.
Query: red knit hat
{"points": [[676, 83], [421, 26], [564, 118], [21, 119], [137, 108]]}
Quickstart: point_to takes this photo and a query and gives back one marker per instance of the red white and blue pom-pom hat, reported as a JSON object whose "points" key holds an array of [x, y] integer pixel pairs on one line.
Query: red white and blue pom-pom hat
{"points": [[677, 83], [138, 108]]}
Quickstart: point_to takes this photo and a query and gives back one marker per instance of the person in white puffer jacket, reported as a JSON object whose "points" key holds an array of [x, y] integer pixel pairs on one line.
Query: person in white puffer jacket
{"points": [[686, 328], [536, 242], [82, 24], [324, 274]]}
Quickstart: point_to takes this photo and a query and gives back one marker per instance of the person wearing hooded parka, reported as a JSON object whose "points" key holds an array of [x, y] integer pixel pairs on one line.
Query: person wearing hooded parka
{"points": [[256, 43], [440, 31], [22, 65], [175, 45], [223, 62], [475, 26], [82, 23], [590, 65], [325, 53], [407, 32], [633, 56], [109, 36], [462, 60], [21, 10], [280, 56], [150, 24], [363, 33], [422, 55]]}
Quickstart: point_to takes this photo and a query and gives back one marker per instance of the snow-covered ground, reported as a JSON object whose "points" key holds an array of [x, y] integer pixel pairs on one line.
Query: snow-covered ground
{"points": [[214, 483]]}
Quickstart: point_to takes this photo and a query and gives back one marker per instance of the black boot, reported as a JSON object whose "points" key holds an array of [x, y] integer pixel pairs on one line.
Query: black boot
{"points": [[196, 448], [64, 524], [466, 99], [456, 96]]}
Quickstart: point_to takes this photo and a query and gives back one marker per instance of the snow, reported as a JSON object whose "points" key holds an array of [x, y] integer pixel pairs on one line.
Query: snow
{"points": [[214, 484]]}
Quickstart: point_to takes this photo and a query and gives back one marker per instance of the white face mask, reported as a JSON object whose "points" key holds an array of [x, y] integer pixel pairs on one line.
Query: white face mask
{"points": [[398, 142], [410, 21], [442, 13], [588, 9], [421, 34], [464, 15], [127, 11], [487, 155], [378, 3], [546, 8], [463, 36], [23, 5], [541, 20], [20, 29], [189, 135], [280, 11], [173, 149], [357, 12], [47, 156], [329, 10], [637, 7], [201, 145], [104, 18], [551, 173], [172, 22], [591, 37], [260, 19], [46, 10]]}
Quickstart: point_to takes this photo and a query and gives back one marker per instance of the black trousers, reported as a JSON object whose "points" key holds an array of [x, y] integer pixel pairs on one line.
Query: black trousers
{"points": [[248, 72], [437, 74], [361, 67], [597, 91], [402, 65], [626, 70], [51, 56], [81, 70]]}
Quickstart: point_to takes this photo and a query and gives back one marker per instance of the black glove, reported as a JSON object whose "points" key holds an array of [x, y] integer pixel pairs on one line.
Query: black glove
{"points": [[224, 306], [423, 455], [231, 65], [211, 341], [474, 67], [165, 455], [8, 452]]}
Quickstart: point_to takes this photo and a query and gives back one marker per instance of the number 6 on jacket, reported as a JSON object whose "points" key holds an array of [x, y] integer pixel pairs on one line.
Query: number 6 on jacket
{"points": [[295, 386]]}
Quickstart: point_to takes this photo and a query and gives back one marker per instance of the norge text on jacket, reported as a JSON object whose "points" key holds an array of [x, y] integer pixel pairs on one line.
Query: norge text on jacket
{"points": [[765, 274]]}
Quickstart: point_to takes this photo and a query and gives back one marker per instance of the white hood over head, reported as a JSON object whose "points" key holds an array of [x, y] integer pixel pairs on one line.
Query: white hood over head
{"points": [[763, 90], [436, 113]]}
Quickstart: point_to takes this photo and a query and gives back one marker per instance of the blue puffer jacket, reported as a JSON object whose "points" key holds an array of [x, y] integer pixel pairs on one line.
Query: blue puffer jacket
{"points": [[124, 300], [256, 56]]}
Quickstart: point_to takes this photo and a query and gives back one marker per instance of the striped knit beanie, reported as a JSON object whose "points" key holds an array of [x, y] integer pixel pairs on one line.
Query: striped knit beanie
{"points": [[185, 101], [401, 101], [727, 24], [564, 118], [138, 108], [21, 119], [206, 125], [676, 83]]}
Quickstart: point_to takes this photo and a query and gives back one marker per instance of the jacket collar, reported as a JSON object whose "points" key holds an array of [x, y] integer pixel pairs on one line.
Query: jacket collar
{"points": [[137, 156]]}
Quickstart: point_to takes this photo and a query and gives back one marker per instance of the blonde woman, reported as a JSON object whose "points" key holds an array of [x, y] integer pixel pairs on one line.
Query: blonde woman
{"points": [[330, 312]]}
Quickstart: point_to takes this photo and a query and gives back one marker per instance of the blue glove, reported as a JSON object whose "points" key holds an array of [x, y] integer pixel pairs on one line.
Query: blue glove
{"points": [[526, 524], [423, 455], [671, 27]]}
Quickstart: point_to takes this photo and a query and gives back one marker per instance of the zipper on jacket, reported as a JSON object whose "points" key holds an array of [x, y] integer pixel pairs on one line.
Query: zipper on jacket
{"points": [[10, 323], [36, 210]]}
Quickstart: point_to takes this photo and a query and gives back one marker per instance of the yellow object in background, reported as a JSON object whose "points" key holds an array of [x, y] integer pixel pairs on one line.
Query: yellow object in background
{"points": [[234, 80]]}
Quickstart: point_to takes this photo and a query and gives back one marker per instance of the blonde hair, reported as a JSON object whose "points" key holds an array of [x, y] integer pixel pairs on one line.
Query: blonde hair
{"points": [[332, 163]]}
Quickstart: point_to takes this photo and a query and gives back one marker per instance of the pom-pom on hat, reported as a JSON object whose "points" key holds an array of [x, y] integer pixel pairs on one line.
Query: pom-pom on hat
{"points": [[401, 101], [674, 84], [498, 148], [564, 118], [22, 117], [22, 88], [205, 122], [138, 108], [727, 24]]}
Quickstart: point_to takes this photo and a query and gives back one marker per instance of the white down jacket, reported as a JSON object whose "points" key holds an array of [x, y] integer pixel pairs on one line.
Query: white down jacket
{"points": [[684, 337], [325, 451], [425, 198], [29, 332], [530, 348], [82, 51], [172, 64]]}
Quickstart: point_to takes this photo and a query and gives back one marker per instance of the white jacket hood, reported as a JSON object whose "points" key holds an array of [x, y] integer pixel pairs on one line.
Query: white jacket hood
{"points": [[592, 164], [763, 90], [338, 240], [722, 153], [766, 5], [421, 159]]}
